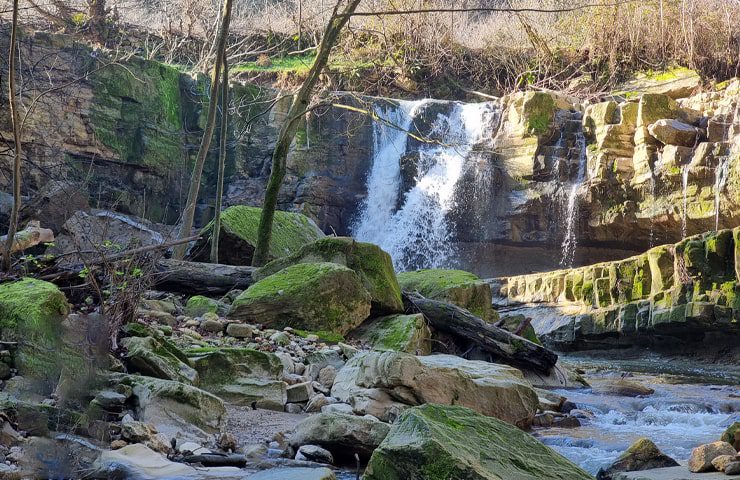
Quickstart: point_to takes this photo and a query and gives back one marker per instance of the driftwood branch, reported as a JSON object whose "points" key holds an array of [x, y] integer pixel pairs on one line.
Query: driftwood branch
{"points": [[32, 235], [503, 345]]}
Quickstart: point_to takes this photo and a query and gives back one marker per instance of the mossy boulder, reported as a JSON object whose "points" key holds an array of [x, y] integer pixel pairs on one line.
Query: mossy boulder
{"points": [[176, 409], [31, 313], [732, 435], [158, 357], [461, 288], [238, 239], [436, 442], [402, 333], [641, 455], [308, 296], [199, 305], [241, 376], [370, 262]]}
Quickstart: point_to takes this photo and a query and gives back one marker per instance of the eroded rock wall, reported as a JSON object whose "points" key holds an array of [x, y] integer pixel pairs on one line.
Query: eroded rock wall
{"points": [[689, 290]]}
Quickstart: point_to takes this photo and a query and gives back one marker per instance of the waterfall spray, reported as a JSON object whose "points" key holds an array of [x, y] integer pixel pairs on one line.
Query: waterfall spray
{"points": [[570, 239], [419, 234]]}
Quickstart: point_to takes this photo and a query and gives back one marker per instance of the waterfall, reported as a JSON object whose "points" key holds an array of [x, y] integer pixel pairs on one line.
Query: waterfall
{"points": [[722, 170], [418, 233], [570, 239], [652, 209], [685, 187], [390, 136]]}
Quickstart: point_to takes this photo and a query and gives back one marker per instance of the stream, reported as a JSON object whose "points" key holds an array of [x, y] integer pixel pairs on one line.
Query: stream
{"points": [[692, 404]]}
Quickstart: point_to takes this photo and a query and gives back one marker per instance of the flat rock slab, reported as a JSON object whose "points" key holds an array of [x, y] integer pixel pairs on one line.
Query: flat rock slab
{"points": [[671, 473], [138, 461], [294, 474]]}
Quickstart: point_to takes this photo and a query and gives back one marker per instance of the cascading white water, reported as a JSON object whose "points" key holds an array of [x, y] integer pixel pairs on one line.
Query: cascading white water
{"points": [[570, 240], [685, 187], [722, 170], [390, 136], [419, 233]]}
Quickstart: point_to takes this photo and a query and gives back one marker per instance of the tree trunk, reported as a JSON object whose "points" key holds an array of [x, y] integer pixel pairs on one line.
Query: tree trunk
{"points": [[505, 346], [196, 278], [17, 147], [216, 232], [188, 213], [298, 108]]}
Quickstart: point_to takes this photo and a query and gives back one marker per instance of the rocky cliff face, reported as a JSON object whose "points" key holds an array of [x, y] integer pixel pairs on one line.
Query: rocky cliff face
{"points": [[688, 291], [528, 182], [125, 131]]}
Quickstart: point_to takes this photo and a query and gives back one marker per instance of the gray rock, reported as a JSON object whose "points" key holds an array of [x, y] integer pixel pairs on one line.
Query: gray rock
{"points": [[212, 325], [293, 408], [300, 392], [110, 400], [314, 453], [732, 468], [327, 376], [340, 433], [239, 330]]}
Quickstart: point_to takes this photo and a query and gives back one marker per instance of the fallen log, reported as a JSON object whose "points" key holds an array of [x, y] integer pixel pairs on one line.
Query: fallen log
{"points": [[30, 236], [197, 278], [504, 346], [217, 459]]}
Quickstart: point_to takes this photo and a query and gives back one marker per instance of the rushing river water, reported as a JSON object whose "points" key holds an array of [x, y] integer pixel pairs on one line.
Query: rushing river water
{"points": [[691, 405]]}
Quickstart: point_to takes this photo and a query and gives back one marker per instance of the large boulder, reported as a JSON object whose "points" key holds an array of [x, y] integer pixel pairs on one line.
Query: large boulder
{"points": [[433, 442], [309, 296], [463, 289], [641, 455], [402, 333], [238, 238], [158, 357], [97, 233], [373, 265], [176, 409], [385, 381], [242, 376], [140, 462], [702, 456], [342, 434], [32, 313]]}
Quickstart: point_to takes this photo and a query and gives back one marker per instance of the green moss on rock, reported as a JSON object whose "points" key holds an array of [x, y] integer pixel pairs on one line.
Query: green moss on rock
{"points": [[435, 442], [402, 333], [199, 305], [461, 288], [370, 262], [308, 296], [31, 313], [137, 112], [239, 224]]}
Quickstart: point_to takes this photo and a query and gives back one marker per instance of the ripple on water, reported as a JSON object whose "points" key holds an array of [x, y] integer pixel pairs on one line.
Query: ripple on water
{"points": [[677, 417]]}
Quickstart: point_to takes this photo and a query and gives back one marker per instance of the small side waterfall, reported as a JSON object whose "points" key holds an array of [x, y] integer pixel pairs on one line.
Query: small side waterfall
{"points": [[570, 239], [419, 232], [685, 187], [722, 170]]}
